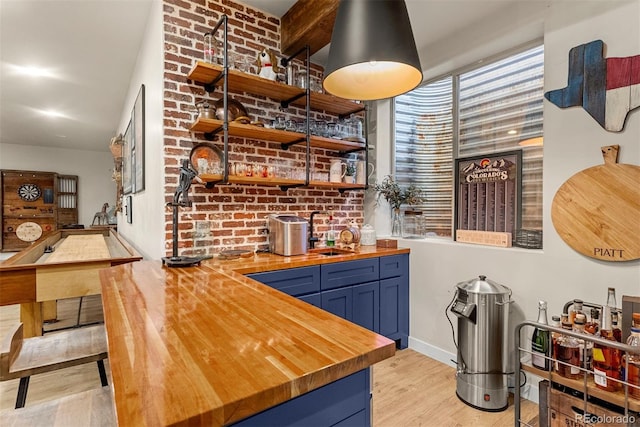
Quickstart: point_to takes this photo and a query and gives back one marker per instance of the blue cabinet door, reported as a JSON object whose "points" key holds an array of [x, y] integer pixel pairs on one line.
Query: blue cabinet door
{"points": [[348, 273], [394, 265], [313, 299], [394, 309], [339, 302], [292, 281], [366, 305]]}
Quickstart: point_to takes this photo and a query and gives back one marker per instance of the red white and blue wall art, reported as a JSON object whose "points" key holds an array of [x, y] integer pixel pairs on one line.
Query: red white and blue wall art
{"points": [[607, 88]]}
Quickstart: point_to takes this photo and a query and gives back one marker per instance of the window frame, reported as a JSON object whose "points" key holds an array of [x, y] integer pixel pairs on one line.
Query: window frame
{"points": [[454, 74]]}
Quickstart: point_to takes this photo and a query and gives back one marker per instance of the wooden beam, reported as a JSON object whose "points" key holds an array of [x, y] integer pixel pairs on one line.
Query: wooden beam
{"points": [[308, 22]]}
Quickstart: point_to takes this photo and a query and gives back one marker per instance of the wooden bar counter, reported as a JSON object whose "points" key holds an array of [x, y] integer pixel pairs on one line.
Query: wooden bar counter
{"points": [[35, 279], [208, 346]]}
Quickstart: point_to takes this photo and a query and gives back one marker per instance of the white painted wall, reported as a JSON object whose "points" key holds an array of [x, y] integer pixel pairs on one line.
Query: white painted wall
{"points": [[94, 169], [146, 232], [572, 143]]}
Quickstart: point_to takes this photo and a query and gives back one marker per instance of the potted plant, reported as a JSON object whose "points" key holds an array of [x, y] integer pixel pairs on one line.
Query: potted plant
{"points": [[396, 197], [350, 173]]}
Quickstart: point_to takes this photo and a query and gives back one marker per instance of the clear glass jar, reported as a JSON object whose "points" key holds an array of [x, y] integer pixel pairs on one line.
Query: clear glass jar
{"points": [[413, 225]]}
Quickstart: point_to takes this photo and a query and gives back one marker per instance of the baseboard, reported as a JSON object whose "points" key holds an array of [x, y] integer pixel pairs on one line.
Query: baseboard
{"points": [[529, 391], [433, 352]]}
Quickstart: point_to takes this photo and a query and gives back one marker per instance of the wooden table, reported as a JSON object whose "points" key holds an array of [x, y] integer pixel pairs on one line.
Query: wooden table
{"points": [[207, 346], [35, 279]]}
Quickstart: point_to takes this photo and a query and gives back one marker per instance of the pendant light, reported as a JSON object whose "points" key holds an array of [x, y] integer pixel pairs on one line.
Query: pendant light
{"points": [[373, 53]]}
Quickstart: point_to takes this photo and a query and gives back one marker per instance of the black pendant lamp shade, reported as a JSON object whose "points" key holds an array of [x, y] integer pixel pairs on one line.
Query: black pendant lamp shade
{"points": [[373, 53]]}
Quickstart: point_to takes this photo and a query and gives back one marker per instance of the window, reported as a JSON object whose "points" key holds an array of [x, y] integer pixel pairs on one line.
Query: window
{"points": [[486, 110]]}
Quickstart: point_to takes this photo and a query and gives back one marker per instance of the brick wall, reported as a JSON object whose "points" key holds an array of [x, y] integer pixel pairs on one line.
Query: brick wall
{"points": [[233, 216]]}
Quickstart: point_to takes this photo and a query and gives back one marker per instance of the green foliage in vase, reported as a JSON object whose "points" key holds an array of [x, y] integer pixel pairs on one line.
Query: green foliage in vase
{"points": [[351, 169], [397, 196]]}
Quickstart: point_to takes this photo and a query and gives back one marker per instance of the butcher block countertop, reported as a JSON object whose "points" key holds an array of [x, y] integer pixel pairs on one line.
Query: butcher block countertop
{"points": [[208, 346]]}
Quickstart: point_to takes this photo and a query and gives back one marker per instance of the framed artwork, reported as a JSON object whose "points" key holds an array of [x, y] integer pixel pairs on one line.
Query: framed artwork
{"points": [[126, 160], [488, 192], [138, 120]]}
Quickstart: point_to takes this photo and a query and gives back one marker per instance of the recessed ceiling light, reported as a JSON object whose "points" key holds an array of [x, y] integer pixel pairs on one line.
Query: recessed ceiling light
{"points": [[33, 71], [512, 132], [52, 113]]}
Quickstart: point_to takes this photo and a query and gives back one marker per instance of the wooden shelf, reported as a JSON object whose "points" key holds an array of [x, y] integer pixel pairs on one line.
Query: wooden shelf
{"points": [[206, 73], [276, 135], [279, 182], [336, 185], [269, 182], [616, 398]]}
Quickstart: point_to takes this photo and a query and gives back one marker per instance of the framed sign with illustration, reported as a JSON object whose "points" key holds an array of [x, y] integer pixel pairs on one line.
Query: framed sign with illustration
{"points": [[126, 161], [488, 192], [138, 120]]}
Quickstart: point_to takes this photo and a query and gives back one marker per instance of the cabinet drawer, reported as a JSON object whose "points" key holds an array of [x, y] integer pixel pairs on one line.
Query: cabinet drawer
{"points": [[294, 281], [394, 265], [349, 273]]}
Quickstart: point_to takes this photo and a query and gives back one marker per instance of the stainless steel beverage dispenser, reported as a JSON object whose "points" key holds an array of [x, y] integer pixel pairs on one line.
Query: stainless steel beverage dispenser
{"points": [[482, 308]]}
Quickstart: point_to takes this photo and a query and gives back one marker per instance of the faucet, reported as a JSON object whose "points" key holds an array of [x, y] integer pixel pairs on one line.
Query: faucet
{"points": [[312, 238]]}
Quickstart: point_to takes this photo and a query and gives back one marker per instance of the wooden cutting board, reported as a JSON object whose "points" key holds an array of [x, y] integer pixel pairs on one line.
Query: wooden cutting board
{"points": [[597, 210]]}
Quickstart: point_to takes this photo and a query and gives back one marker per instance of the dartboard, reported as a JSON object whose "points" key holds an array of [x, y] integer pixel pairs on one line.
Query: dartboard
{"points": [[29, 192]]}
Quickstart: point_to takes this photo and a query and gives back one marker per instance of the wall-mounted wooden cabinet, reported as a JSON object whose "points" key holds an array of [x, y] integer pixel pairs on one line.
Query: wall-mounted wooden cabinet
{"points": [[67, 187], [35, 203]]}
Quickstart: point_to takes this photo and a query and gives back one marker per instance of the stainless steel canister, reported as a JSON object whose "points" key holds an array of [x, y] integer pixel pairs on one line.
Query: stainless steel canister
{"points": [[482, 308]]}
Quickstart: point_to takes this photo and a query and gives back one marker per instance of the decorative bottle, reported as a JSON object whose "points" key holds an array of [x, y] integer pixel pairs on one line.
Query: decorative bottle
{"points": [[568, 355], [593, 327], [540, 346], [586, 347], [615, 317], [606, 360], [634, 362], [555, 341], [575, 309]]}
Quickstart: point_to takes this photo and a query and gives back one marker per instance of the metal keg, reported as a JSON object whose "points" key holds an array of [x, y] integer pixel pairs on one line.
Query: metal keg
{"points": [[482, 308]]}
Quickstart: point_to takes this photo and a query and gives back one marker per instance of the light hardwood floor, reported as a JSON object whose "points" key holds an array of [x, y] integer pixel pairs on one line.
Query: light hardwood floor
{"points": [[409, 389]]}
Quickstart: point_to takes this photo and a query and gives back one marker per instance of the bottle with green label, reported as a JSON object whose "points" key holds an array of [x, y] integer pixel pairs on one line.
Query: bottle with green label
{"points": [[540, 345]]}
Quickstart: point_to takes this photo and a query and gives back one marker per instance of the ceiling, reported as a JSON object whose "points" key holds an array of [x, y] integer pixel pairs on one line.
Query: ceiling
{"points": [[89, 48]]}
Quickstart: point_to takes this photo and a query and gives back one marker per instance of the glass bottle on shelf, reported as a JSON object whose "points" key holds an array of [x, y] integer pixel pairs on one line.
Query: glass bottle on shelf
{"points": [[568, 355], [615, 318], [209, 48], [586, 347], [606, 360], [412, 226], [593, 326], [633, 377], [635, 320], [540, 340], [555, 341], [575, 309]]}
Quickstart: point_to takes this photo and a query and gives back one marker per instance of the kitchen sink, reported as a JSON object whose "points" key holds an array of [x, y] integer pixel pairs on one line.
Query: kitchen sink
{"points": [[330, 251]]}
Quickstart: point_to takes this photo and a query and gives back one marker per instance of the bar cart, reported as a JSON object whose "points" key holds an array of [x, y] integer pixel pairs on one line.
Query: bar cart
{"points": [[576, 402]]}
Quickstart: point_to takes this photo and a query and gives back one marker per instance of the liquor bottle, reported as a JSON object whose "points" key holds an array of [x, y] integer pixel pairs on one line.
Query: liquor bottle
{"points": [[615, 318], [540, 340], [634, 362], [606, 360], [568, 355], [586, 347], [592, 327], [555, 341], [575, 309]]}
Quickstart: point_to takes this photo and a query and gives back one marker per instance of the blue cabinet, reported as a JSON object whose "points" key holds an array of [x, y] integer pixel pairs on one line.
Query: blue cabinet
{"points": [[394, 298], [345, 402], [371, 292], [338, 302], [366, 305], [293, 281]]}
